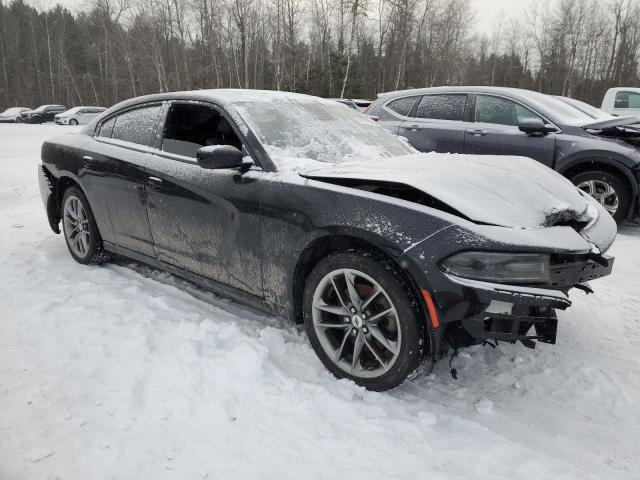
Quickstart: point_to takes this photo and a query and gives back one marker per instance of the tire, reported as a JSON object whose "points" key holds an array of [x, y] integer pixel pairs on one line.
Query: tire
{"points": [[377, 367], [84, 246], [607, 188], [73, 121]]}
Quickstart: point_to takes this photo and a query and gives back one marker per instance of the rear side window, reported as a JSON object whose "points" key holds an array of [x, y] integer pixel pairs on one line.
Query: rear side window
{"points": [[136, 126], [402, 106], [442, 107], [500, 111], [627, 100], [106, 129]]}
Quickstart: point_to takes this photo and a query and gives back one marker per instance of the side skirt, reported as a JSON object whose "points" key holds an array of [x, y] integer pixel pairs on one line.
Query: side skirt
{"points": [[218, 288]]}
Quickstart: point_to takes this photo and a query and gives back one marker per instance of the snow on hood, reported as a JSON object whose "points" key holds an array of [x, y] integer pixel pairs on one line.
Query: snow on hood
{"points": [[495, 190]]}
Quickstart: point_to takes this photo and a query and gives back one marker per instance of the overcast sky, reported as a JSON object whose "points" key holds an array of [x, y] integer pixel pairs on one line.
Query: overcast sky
{"points": [[487, 10], [490, 10]]}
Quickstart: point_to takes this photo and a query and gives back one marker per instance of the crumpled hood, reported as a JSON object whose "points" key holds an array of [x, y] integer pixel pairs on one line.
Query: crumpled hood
{"points": [[495, 190]]}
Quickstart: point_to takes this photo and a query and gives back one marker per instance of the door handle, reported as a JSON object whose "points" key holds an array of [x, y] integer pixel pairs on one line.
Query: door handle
{"points": [[478, 132], [415, 128], [88, 158], [154, 182]]}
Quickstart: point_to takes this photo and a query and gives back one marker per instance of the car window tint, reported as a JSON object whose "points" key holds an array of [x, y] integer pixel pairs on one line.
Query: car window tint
{"points": [[442, 107], [402, 106], [627, 100], [501, 111], [107, 128], [190, 127], [137, 125]]}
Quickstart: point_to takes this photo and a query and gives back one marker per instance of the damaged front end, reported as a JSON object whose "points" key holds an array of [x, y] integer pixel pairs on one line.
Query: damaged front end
{"points": [[525, 313], [500, 284], [620, 128]]}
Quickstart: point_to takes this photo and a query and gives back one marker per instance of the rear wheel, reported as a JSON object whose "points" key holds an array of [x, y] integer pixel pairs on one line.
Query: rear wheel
{"points": [[80, 229], [608, 189], [363, 321]]}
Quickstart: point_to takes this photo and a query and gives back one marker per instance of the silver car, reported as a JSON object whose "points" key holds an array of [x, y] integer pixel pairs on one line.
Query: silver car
{"points": [[78, 115], [11, 115]]}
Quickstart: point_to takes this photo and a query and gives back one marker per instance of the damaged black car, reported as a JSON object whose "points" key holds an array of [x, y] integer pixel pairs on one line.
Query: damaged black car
{"points": [[302, 208]]}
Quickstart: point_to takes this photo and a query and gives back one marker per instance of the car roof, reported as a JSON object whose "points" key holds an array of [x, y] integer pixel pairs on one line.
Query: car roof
{"points": [[509, 91], [220, 96]]}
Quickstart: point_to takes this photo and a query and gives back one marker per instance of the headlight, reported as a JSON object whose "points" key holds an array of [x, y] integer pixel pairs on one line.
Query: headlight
{"points": [[499, 267]]}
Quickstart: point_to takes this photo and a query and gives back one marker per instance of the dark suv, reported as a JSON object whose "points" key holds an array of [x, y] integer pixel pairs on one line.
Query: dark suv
{"points": [[44, 113], [602, 157]]}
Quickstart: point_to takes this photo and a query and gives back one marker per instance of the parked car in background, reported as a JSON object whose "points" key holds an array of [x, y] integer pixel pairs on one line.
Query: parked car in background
{"points": [[601, 157], [362, 104], [11, 115], [345, 101], [78, 115], [301, 207], [622, 101], [584, 107], [44, 113]]}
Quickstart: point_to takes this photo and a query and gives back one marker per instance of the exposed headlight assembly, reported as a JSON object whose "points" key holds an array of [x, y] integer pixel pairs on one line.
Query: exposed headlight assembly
{"points": [[527, 268]]}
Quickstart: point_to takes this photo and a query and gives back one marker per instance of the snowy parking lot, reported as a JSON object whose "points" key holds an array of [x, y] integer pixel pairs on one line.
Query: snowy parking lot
{"points": [[126, 372]]}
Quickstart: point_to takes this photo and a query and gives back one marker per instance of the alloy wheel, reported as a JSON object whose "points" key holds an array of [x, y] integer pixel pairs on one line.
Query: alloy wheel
{"points": [[356, 323], [76, 226], [604, 193]]}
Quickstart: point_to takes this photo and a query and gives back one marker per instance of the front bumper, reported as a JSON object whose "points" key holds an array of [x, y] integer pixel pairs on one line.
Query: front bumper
{"points": [[508, 312], [471, 311]]}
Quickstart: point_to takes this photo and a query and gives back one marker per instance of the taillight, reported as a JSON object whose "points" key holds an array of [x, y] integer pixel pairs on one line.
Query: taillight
{"points": [[373, 117]]}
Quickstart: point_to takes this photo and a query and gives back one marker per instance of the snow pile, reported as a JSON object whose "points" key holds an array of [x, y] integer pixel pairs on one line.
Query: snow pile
{"points": [[126, 372]]}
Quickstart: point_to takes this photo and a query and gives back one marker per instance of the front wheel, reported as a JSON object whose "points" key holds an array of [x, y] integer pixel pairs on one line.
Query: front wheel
{"points": [[80, 229], [363, 322], [73, 122], [608, 189]]}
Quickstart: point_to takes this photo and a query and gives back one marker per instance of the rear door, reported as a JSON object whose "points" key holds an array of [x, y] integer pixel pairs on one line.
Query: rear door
{"points": [[495, 130], [437, 123], [121, 151]]}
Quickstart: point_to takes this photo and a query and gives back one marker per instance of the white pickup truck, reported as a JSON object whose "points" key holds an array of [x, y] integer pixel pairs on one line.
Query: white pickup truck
{"points": [[622, 101]]}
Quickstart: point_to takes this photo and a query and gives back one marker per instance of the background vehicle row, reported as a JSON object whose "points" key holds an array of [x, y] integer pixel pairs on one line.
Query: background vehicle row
{"points": [[601, 156]]}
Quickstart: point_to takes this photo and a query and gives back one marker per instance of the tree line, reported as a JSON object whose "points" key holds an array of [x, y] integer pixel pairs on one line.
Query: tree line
{"points": [[115, 49]]}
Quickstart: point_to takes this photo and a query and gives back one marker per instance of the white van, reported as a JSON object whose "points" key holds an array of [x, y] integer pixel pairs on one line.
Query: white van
{"points": [[622, 101]]}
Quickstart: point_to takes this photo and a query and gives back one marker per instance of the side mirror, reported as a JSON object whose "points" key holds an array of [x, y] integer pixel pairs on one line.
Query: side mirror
{"points": [[535, 126], [215, 157]]}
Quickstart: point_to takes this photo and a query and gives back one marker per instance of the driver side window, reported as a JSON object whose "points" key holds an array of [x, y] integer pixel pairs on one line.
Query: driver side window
{"points": [[191, 126], [501, 111]]}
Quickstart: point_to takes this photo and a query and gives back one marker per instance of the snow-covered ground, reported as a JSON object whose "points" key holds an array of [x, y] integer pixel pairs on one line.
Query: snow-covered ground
{"points": [[124, 372]]}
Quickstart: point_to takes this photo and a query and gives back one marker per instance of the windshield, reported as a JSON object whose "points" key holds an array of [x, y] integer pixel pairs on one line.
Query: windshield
{"points": [[558, 110], [586, 108], [318, 130]]}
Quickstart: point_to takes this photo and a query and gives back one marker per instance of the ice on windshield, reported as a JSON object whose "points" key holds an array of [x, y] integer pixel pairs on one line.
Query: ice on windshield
{"points": [[312, 129]]}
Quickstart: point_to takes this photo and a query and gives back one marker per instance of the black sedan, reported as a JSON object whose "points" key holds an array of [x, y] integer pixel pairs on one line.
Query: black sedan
{"points": [[601, 156], [44, 113], [303, 208]]}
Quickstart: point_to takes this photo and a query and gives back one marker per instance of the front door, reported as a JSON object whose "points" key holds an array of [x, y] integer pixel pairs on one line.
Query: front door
{"points": [[205, 221], [496, 132]]}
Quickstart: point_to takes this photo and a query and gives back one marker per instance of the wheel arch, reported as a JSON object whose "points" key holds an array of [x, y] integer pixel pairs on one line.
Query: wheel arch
{"points": [[323, 245], [606, 164]]}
